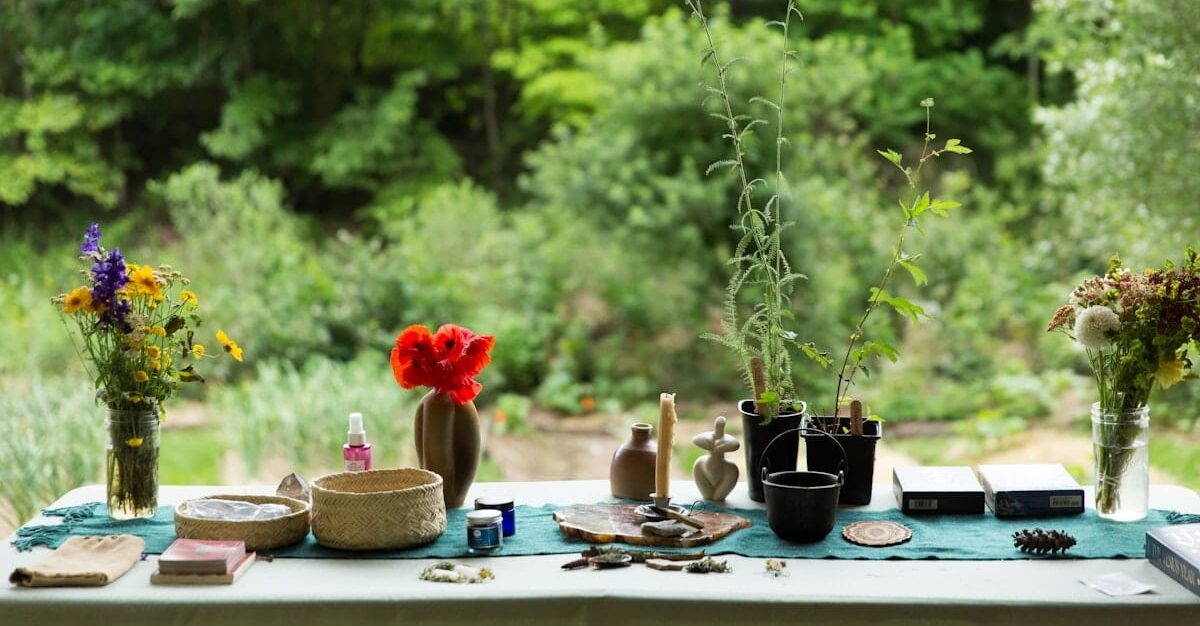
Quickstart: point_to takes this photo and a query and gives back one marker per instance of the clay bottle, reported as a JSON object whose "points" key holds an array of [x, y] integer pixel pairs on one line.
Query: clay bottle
{"points": [[632, 471]]}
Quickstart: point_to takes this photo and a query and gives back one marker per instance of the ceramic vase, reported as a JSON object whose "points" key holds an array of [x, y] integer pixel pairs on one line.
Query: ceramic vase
{"points": [[447, 437], [131, 467], [631, 474]]}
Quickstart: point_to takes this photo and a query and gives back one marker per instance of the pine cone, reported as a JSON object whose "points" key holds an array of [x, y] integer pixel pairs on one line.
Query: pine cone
{"points": [[1039, 541]]}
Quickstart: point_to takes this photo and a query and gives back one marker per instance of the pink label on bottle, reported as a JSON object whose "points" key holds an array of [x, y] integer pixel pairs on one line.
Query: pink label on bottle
{"points": [[356, 458]]}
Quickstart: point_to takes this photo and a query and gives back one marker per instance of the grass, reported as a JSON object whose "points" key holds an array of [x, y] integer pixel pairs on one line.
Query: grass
{"points": [[489, 471], [1177, 456], [191, 456]]}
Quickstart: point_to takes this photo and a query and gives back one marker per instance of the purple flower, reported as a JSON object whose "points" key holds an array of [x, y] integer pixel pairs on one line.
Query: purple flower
{"points": [[108, 277], [91, 240]]}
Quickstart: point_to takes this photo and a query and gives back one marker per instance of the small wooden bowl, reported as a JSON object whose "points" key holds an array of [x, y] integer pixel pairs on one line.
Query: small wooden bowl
{"points": [[257, 534]]}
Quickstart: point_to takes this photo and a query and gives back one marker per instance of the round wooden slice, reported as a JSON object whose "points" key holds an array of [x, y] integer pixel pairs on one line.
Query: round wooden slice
{"points": [[876, 534]]}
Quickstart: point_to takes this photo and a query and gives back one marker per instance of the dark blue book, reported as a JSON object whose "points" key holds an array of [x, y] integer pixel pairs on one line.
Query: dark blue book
{"points": [[937, 490], [1176, 551], [1030, 490]]}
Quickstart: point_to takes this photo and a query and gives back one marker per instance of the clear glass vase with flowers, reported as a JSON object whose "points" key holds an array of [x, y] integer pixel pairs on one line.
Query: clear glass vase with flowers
{"points": [[1137, 330], [136, 327]]}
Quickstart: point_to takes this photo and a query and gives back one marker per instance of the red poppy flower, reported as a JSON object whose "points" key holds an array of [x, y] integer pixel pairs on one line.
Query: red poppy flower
{"points": [[447, 361]]}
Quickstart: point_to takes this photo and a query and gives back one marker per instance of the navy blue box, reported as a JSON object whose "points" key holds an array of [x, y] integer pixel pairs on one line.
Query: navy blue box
{"points": [[1030, 490]]}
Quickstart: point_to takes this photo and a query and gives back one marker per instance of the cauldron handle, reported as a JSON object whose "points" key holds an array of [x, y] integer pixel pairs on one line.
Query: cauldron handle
{"points": [[842, 465]]}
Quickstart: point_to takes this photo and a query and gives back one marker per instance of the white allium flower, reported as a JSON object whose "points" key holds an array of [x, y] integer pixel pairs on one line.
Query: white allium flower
{"points": [[1094, 324]]}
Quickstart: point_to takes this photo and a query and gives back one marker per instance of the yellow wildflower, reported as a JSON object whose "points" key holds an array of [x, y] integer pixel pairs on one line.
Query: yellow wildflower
{"points": [[142, 282], [134, 442], [153, 352], [198, 351], [158, 330], [1169, 373], [135, 398], [230, 346], [141, 376], [78, 300], [156, 364], [189, 298]]}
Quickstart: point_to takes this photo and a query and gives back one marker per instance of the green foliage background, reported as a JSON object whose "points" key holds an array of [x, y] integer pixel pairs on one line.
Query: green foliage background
{"points": [[329, 172]]}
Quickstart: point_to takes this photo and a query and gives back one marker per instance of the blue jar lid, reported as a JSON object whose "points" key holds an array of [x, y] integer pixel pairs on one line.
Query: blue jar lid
{"points": [[499, 503]]}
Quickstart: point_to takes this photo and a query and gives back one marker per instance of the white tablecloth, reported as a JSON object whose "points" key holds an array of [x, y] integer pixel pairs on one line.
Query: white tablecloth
{"points": [[533, 590]]}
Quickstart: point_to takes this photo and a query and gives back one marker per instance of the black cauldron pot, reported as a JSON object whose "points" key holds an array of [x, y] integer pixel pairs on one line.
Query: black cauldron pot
{"points": [[802, 506]]}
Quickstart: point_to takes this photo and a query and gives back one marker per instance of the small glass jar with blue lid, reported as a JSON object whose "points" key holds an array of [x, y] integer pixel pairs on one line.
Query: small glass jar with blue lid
{"points": [[508, 512]]}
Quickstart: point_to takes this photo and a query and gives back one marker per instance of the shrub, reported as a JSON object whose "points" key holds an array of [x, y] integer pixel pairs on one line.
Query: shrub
{"points": [[51, 441], [300, 413]]}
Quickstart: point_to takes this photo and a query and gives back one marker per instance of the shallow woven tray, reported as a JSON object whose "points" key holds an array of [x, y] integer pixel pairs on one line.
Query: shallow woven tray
{"points": [[378, 510], [258, 534]]}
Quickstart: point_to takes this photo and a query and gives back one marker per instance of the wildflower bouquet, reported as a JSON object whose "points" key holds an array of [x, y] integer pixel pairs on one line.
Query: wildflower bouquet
{"points": [[136, 325], [1136, 329]]}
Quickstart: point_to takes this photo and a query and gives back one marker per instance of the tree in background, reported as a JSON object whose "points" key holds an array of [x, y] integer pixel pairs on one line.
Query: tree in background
{"points": [[1122, 158]]}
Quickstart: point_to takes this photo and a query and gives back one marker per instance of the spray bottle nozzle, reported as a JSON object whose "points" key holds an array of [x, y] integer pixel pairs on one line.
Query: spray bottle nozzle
{"points": [[356, 436]]}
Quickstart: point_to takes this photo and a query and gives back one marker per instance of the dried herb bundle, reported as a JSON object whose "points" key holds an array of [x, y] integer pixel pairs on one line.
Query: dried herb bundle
{"points": [[706, 565]]}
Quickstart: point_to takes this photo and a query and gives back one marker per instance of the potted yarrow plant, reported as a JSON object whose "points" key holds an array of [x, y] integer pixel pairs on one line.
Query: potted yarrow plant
{"points": [[762, 341], [136, 325], [1136, 330], [858, 436], [446, 426]]}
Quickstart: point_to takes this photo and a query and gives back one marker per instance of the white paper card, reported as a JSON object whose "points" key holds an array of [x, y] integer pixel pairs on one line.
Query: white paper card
{"points": [[1117, 584]]}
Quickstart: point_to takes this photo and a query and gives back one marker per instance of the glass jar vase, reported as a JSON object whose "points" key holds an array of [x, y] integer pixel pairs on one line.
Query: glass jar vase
{"points": [[132, 462], [1120, 444]]}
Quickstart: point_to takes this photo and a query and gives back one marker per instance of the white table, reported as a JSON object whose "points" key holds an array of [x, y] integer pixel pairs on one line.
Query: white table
{"points": [[533, 590]]}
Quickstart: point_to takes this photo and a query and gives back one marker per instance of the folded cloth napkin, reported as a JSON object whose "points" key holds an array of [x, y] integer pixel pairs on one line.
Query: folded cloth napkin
{"points": [[82, 562]]}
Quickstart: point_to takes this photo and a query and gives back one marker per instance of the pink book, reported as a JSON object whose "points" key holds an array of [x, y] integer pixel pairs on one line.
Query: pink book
{"points": [[196, 556]]}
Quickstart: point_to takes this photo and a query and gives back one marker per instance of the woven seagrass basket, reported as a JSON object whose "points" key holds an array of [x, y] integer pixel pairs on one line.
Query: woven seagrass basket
{"points": [[258, 534], [378, 509]]}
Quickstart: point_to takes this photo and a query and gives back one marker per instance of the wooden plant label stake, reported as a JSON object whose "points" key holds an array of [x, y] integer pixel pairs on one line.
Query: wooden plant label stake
{"points": [[758, 380], [856, 418]]}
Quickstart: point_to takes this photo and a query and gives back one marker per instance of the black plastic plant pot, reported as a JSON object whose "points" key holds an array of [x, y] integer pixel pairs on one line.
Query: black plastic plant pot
{"points": [[802, 506], [824, 456], [758, 436]]}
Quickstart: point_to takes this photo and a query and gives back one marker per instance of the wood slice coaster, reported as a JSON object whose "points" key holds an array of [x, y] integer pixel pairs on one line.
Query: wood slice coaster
{"points": [[876, 534], [608, 523]]}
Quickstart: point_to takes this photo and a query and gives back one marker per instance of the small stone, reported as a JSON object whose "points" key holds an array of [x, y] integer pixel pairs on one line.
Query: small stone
{"points": [[294, 486], [664, 565], [666, 528]]}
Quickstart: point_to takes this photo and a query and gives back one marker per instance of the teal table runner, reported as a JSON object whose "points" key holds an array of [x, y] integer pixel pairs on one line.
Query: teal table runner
{"points": [[965, 538]]}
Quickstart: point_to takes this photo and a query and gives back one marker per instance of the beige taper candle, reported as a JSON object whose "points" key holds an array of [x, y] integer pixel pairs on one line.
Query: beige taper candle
{"points": [[666, 436]]}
